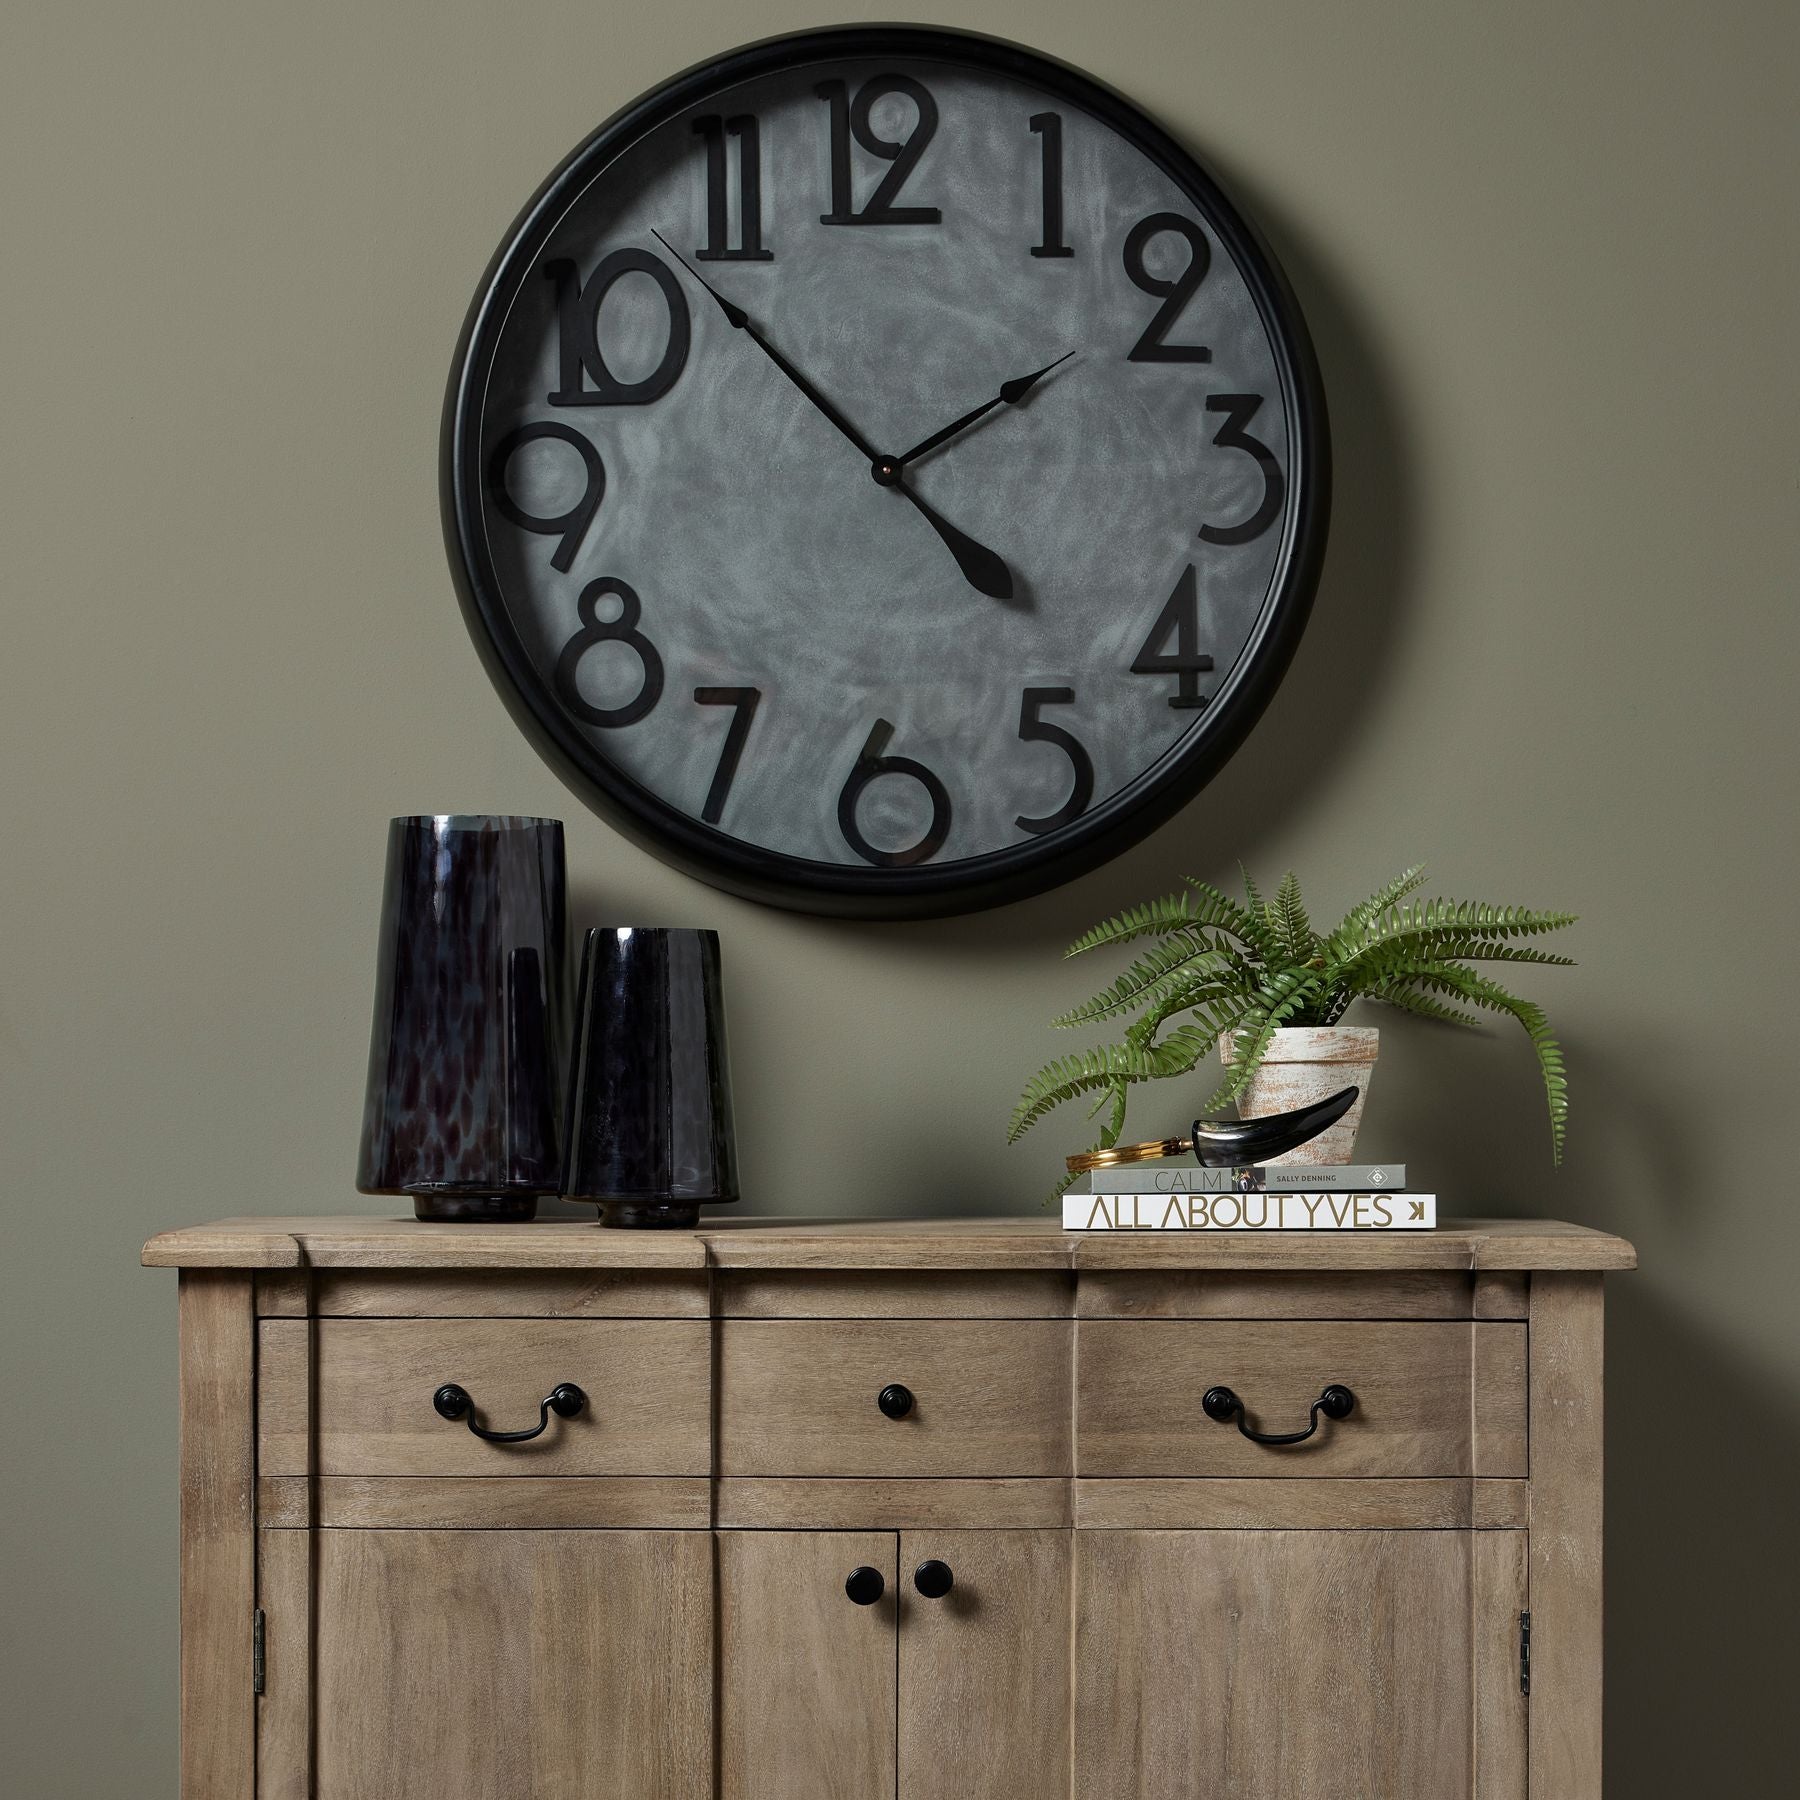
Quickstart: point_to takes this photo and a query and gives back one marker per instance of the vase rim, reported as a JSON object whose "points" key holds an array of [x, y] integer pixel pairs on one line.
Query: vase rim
{"points": [[476, 821]]}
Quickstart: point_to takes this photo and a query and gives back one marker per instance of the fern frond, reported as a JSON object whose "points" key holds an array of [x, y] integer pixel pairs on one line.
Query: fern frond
{"points": [[1069, 1077], [1280, 1001], [1427, 922], [1479, 991], [1410, 1000], [1406, 882], [1292, 925], [1185, 952], [1154, 917]]}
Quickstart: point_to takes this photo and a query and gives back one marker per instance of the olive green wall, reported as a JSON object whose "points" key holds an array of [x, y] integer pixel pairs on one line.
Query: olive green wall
{"points": [[1547, 254]]}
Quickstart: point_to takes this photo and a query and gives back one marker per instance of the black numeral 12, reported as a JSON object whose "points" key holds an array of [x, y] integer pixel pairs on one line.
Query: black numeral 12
{"points": [[718, 247], [851, 118], [1048, 126]]}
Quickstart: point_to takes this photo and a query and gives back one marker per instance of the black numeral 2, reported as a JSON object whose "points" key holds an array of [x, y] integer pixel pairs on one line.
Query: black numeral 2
{"points": [[1239, 410], [1048, 126], [744, 699], [718, 246], [1173, 294], [1179, 619], [578, 322], [850, 118]]}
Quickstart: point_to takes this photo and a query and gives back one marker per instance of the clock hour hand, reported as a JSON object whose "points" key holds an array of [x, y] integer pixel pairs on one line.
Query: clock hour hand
{"points": [[985, 571], [1010, 395], [739, 320]]}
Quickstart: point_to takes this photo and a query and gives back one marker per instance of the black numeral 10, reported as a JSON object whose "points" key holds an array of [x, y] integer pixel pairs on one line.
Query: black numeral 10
{"points": [[718, 247]]}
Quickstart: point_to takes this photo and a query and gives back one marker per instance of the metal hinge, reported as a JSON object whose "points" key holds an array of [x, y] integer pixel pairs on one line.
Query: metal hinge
{"points": [[1524, 1653], [258, 1651]]}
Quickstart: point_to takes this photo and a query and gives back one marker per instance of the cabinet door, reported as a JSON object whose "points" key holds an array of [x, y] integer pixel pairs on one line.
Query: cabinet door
{"points": [[806, 1676], [512, 1665], [1299, 1665], [984, 1671]]}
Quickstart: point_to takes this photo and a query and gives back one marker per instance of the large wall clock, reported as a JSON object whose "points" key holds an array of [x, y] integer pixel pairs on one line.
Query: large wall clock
{"points": [[884, 472]]}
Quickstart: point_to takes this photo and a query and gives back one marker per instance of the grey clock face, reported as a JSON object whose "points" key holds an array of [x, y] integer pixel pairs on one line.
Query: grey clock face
{"points": [[702, 570]]}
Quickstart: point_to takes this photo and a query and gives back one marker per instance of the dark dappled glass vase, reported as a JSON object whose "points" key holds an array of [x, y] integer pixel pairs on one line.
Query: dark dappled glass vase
{"points": [[467, 1049], [650, 1135]]}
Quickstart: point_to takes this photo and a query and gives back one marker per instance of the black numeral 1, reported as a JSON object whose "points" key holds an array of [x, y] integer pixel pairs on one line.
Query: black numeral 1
{"points": [[718, 246], [851, 118], [1048, 126], [744, 699], [1179, 619]]}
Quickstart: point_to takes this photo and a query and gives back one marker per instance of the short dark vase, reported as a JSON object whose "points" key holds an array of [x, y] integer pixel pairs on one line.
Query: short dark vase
{"points": [[467, 1050], [650, 1137]]}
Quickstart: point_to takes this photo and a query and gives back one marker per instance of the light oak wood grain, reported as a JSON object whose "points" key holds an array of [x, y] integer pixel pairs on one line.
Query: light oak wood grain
{"points": [[647, 1382], [1306, 1294], [531, 1665], [1567, 1456], [984, 1671], [889, 1244], [283, 1293], [806, 1678], [1277, 1665], [1304, 1503], [1424, 1398], [797, 1397], [512, 1293], [900, 1294], [218, 1536], [484, 1502], [879, 1503], [284, 1768], [1496, 1602]]}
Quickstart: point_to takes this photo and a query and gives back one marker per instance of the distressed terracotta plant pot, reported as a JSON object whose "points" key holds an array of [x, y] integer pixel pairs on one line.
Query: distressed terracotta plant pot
{"points": [[1308, 1063]]}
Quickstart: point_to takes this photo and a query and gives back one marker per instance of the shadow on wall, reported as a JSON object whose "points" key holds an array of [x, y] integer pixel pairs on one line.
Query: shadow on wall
{"points": [[1365, 593], [1703, 1463]]}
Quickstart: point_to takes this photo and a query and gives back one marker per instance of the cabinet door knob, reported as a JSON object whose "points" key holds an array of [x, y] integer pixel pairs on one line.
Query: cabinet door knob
{"points": [[1222, 1406], [933, 1579], [566, 1400], [864, 1585], [894, 1400]]}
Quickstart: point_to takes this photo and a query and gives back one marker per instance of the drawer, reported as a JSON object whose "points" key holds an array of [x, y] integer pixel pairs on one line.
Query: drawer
{"points": [[1431, 1399], [800, 1397], [366, 1401]]}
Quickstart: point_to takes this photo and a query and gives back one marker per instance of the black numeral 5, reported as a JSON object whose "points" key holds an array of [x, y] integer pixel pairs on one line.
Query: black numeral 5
{"points": [[1034, 729]]}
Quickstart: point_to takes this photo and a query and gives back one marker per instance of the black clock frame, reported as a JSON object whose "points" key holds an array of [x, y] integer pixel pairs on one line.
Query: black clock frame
{"points": [[924, 890]]}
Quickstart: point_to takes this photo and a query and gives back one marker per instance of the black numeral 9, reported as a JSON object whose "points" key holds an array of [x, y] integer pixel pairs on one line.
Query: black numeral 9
{"points": [[570, 526]]}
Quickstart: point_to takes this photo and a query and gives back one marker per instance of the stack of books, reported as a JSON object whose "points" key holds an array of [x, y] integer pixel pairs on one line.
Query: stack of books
{"points": [[1173, 1196]]}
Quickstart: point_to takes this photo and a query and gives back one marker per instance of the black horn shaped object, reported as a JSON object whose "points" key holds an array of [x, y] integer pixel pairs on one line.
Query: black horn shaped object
{"points": [[1238, 1143]]}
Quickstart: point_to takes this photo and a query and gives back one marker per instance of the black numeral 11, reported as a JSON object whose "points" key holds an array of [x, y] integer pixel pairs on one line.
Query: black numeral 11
{"points": [[718, 247], [1048, 126]]}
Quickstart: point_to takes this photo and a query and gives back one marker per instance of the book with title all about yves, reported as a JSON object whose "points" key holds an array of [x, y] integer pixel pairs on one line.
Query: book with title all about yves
{"points": [[1378, 1211]]}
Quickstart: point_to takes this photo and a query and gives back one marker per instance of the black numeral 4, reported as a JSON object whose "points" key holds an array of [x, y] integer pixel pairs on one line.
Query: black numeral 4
{"points": [[1180, 620]]}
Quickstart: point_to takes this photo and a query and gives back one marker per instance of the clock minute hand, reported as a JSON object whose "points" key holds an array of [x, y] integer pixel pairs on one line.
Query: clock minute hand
{"points": [[986, 572], [739, 320], [1009, 395]]}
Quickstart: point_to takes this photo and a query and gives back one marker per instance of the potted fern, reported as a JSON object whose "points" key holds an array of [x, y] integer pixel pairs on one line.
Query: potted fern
{"points": [[1257, 982]]}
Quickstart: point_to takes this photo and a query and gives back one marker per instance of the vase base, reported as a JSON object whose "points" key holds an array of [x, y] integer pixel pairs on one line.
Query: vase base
{"points": [[475, 1209], [641, 1215]]}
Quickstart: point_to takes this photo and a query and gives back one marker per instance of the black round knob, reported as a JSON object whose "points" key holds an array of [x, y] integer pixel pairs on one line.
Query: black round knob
{"points": [[864, 1585], [1219, 1403], [566, 1400], [894, 1400], [1337, 1402], [451, 1401], [933, 1579]]}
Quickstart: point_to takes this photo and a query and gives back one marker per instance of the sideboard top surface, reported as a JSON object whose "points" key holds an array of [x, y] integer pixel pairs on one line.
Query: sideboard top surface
{"points": [[368, 1242]]}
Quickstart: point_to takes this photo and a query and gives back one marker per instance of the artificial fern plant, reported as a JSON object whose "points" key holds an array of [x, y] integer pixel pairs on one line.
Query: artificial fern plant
{"points": [[1218, 967]]}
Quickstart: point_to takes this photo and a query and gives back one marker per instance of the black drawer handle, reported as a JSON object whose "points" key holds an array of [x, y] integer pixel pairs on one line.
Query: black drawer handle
{"points": [[566, 1400], [894, 1400], [864, 1585], [1222, 1405]]}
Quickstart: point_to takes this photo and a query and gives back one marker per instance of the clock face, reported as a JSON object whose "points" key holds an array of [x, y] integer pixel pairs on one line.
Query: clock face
{"points": [[883, 470]]}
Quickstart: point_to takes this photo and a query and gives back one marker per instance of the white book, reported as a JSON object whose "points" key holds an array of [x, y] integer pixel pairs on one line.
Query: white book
{"points": [[1249, 1212]]}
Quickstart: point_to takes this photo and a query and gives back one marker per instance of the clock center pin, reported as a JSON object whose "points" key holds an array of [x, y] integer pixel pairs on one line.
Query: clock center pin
{"points": [[885, 470]]}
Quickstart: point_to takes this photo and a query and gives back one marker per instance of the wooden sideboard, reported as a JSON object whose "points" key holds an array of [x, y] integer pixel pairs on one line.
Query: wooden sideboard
{"points": [[888, 1510]]}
